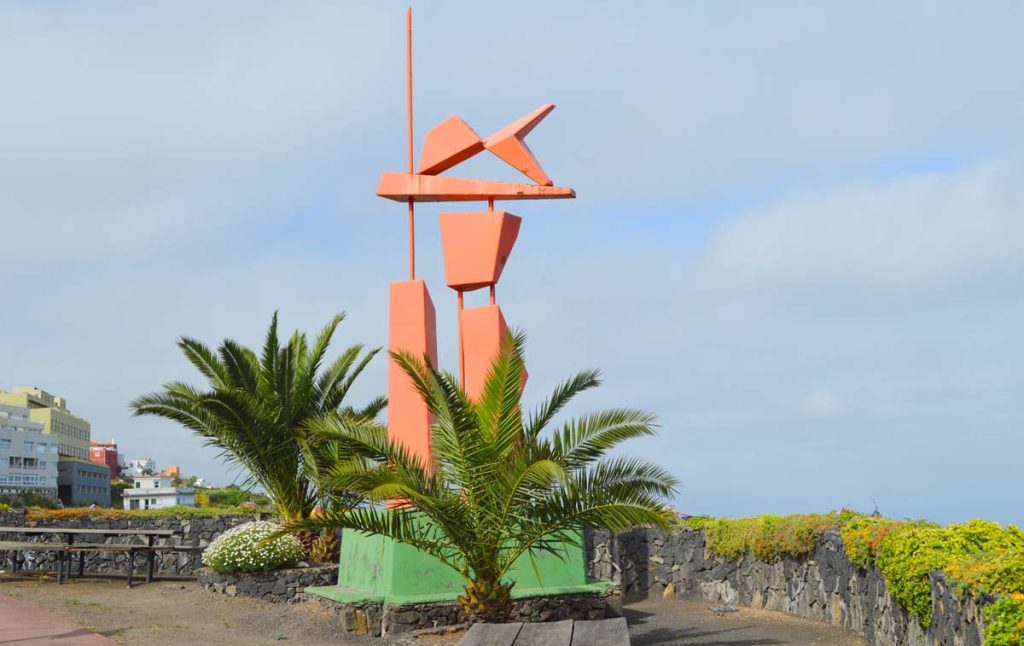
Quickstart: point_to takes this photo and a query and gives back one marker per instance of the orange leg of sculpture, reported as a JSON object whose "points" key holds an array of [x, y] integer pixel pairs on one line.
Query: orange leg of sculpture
{"points": [[483, 331], [476, 247], [412, 329], [462, 347]]}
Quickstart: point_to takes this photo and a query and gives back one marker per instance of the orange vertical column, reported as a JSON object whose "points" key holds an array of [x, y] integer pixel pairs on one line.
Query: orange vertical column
{"points": [[412, 329]]}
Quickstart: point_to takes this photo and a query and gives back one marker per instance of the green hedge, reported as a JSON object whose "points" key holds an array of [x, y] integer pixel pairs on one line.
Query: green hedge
{"points": [[978, 556], [101, 513], [769, 537]]}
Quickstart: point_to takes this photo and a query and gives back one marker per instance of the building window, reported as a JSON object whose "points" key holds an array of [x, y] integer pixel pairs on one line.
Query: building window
{"points": [[5, 443]]}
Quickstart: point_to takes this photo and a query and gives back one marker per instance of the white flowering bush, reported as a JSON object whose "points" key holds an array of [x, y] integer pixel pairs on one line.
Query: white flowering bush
{"points": [[246, 549]]}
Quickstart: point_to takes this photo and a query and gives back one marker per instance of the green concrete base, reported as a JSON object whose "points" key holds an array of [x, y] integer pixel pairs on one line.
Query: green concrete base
{"points": [[375, 569]]}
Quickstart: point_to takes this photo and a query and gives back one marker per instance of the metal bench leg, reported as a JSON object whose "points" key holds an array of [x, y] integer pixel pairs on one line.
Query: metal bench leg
{"points": [[60, 568], [131, 566], [150, 557], [81, 564]]}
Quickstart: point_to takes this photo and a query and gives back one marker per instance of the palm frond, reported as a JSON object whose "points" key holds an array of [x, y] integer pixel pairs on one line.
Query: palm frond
{"points": [[257, 407]]}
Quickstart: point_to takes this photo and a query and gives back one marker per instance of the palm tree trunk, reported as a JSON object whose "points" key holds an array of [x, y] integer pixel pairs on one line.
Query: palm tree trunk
{"points": [[487, 600]]}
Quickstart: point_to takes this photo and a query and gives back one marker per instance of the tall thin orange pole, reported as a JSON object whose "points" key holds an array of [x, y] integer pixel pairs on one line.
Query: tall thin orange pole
{"points": [[462, 350], [408, 96]]}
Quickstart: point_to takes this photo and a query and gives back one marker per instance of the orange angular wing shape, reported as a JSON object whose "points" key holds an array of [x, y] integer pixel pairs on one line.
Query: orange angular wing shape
{"points": [[448, 143], [508, 145]]}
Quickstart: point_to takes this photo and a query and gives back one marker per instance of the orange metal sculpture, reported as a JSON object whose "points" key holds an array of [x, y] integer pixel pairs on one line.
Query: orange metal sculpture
{"points": [[476, 246]]}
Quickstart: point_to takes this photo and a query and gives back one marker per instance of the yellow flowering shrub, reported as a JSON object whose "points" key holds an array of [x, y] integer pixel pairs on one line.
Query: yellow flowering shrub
{"points": [[906, 555], [769, 537]]}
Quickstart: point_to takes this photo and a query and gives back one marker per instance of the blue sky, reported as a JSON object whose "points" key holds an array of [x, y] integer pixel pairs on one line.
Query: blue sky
{"points": [[798, 237]]}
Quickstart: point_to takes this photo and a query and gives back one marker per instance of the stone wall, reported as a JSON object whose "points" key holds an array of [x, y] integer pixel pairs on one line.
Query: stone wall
{"points": [[956, 621], [279, 586], [374, 619], [191, 531], [823, 586]]}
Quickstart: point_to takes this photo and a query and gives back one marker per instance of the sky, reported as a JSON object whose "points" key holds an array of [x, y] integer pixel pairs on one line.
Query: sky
{"points": [[798, 235]]}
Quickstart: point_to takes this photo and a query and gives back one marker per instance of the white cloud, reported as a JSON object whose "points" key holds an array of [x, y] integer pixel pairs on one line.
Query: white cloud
{"points": [[911, 232]]}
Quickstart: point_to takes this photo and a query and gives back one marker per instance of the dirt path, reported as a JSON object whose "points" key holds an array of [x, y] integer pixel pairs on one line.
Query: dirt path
{"points": [[174, 613], [177, 613], [671, 622]]}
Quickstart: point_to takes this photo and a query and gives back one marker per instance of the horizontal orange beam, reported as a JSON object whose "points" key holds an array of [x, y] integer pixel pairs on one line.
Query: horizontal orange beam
{"points": [[401, 187]]}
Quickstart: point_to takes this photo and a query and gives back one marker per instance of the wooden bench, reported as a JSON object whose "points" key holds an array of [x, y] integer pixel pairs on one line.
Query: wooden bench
{"points": [[602, 632], [66, 549], [131, 550], [17, 547]]}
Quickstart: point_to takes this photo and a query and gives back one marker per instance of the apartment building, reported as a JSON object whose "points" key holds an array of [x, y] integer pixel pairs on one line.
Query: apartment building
{"points": [[70, 432], [81, 483], [28, 457]]}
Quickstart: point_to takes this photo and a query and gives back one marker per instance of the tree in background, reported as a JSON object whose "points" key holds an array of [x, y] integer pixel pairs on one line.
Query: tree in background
{"points": [[254, 408]]}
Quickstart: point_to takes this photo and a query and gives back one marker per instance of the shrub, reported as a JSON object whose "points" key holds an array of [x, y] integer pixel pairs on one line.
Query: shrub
{"points": [[26, 499], [250, 548], [1004, 621], [769, 537], [696, 522], [906, 555], [863, 536], [5, 507], [996, 572], [106, 513]]}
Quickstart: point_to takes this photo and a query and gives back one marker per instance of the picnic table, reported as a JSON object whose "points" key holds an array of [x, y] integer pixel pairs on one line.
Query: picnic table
{"points": [[67, 547], [601, 632]]}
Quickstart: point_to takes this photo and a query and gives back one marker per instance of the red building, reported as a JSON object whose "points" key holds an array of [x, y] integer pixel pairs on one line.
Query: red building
{"points": [[105, 453]]}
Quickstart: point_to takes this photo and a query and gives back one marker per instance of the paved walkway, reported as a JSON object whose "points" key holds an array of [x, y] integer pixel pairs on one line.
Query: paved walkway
{"points": [[22, 624], [671, 622]]}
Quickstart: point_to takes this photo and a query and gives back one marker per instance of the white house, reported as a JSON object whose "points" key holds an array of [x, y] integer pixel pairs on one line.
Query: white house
{"points": [[156, 492]]}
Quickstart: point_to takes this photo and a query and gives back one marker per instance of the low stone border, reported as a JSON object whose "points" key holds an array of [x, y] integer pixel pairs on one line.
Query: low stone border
{"points": [[279, 586], [375, 620]]}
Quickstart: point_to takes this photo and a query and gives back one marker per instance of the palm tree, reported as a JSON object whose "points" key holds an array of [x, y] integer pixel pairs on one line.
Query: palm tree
{"points": [[255, 408], [498, 489]]}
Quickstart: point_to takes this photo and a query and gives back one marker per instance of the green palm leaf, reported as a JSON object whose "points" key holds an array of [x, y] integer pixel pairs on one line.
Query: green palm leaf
{"points": [[499, 488], [256, 409]]}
